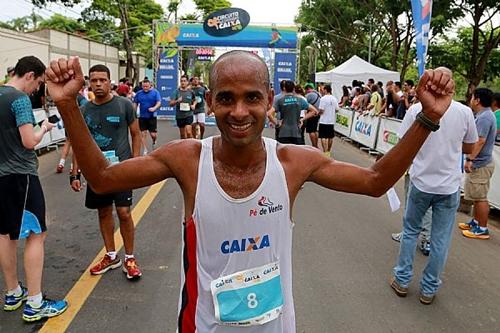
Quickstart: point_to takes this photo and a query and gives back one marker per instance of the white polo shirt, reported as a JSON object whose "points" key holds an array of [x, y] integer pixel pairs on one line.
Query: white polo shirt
{"points": [[437, 167]]}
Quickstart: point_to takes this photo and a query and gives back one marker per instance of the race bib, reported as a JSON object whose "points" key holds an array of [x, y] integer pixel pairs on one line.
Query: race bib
{"points": [[248, 298], [110, 155], [184, 107]]}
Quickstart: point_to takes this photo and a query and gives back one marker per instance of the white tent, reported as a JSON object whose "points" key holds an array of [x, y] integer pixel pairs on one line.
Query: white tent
{"points": [[354, 69]]}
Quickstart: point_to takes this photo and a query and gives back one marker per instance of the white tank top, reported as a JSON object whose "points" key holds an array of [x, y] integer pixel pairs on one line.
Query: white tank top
{"points": [[227, 235]]}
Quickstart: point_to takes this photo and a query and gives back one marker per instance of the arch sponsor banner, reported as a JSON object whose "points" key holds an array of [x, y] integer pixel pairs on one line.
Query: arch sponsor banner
{"points": [[343, 121], [226, 22], [193, 34], [167, 79], [284, 67], [365, 129], [387, 134]]}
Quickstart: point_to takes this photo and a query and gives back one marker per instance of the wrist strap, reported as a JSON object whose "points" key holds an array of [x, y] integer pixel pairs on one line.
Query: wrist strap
{"points": [[74, 177], [427, 122]]}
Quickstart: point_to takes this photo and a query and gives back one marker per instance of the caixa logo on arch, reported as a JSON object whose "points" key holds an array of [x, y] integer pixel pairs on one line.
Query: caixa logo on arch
{"points": [[363, 128]]}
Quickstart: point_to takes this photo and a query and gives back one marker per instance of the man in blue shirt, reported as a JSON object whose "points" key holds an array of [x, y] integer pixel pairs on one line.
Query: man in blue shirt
{"points": [[479, 165], [149, 102]]}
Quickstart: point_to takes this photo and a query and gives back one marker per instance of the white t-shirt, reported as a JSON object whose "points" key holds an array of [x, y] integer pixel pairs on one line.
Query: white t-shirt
{"points": [[328, 104], [437, 167]]}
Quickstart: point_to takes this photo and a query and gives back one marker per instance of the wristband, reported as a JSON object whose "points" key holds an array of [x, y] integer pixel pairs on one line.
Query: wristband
{"points": [[469, 159], [427, 122], [74, 177]]}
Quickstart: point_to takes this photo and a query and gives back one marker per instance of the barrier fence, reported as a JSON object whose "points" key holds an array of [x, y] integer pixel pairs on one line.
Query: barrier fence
{"points": [[52, 138], [380, 134]]}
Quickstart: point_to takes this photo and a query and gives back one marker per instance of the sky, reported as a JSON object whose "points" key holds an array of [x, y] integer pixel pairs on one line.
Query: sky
{"points": [[261, 11]]}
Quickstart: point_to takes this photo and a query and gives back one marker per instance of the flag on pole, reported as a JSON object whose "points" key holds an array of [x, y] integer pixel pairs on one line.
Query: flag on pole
{"points": [[422, 12]]}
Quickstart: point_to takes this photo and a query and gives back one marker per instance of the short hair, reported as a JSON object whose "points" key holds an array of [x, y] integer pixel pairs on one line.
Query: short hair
{"points": [[484, 95], [101, 69], [328, 88], [380, 84], [496, 99], [282, 84], [183, 77], [145, 81], [390, 82], [372, 81], [29, 64], [289, 86], [213, 68], [374, 88], [398, 84], [410, 83]]}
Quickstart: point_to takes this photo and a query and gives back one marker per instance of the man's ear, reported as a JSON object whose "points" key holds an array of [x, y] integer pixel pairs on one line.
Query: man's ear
{"points": [[208, 98], [29, 76]]}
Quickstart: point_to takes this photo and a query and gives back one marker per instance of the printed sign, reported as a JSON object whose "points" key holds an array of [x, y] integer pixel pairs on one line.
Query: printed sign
{"points": [[387, 134], [192, 34], [226, 22], [166, 34], [422, 12], [204, 54], [166, 80], [365, 129], [284, 67], [343, 121]]}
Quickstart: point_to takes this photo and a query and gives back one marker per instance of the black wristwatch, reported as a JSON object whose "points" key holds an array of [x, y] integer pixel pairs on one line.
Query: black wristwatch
{"points": [[427, 122]]}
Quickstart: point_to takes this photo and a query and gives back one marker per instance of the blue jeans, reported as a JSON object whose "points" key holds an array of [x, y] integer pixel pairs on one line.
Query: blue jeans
{"points": [[427, 219], [444, 208]]}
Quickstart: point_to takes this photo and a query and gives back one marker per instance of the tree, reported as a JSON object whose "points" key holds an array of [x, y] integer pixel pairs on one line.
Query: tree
{"points": [[62, 23], [397, 20], [24, 23], [209, 6], [455, 53], [485, 38], [135, 17]]}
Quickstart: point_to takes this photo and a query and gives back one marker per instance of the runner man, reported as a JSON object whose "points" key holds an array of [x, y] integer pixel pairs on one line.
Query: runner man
{"points": [[109, 119], [253, 180], [22, 203], [185, 102], [199, 111], [149, 101]]}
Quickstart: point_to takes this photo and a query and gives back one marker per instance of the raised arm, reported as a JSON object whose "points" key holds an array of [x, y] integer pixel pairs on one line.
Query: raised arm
{"points": [[64, 79], [435, 91]]}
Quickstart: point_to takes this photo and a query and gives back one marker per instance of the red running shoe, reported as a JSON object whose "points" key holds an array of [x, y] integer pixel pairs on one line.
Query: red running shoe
{"points": [[131, 269], [60, 168], [105, 265]]}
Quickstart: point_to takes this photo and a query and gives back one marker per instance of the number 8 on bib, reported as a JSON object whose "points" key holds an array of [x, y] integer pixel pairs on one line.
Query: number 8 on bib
{"points": [[248, 298]]}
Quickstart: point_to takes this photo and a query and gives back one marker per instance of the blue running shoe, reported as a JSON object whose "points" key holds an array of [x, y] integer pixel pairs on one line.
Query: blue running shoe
{"points": [[13, 302], [48, 309]]}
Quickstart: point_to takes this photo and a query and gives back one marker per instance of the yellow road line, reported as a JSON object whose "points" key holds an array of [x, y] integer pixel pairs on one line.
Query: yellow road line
{"points": [[84, 286]]}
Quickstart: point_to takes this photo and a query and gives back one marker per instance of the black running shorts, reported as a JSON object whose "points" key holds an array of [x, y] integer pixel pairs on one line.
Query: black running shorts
{"points": [[326, 131], [95, 201], [183, 122], [312, 124], [148, 124], [22, 206]]}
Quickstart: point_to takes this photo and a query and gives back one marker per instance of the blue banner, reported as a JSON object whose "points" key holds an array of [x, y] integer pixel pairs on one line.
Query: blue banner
{"points": [[251, 36], [422, 12], [167, 80], [284, 68]]}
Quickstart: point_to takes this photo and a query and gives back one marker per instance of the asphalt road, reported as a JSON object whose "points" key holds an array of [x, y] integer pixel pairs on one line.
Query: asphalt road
{"points": [[343, 257]]}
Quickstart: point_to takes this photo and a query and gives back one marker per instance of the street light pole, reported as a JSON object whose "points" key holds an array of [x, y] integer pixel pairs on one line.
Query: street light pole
{"points": [[358, 22]]}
